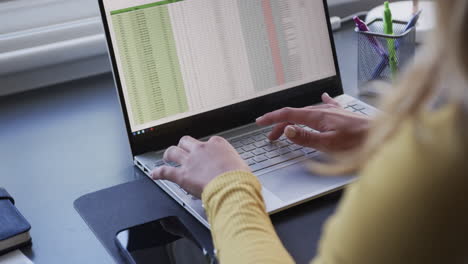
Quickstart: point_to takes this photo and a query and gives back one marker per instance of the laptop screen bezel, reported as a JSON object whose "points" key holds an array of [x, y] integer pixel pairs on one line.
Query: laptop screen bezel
{"points": [[225, 118]]}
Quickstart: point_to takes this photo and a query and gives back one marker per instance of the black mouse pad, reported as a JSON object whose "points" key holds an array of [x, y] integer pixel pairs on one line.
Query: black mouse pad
{"points": [[110, 210]]}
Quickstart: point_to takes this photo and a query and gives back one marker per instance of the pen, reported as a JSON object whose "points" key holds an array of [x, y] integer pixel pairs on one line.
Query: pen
{"points": [[383, 63], [375, 43], [388, 29], [413, 20], [411, 23]]}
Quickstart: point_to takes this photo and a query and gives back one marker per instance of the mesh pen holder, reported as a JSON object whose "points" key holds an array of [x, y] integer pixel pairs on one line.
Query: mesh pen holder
{"points": [[382, 56]]}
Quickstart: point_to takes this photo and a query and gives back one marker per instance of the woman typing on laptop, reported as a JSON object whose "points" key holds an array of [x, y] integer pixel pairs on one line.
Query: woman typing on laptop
{"points": [[408, 204]]}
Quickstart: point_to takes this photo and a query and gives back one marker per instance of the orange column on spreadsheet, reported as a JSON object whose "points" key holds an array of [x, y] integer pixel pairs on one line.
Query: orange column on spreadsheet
{"points": [[273, 39]]}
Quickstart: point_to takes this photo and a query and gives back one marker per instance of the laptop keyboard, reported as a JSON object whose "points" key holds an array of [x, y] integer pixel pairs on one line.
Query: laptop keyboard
{"points": [[260, 153]]}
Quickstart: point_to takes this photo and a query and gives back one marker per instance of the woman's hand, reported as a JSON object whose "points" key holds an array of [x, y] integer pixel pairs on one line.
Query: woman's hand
{"points": [[200, 162], [338, 129]]}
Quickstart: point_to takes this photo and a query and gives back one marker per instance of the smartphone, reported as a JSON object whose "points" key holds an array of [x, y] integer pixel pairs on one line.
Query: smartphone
{"points": [[162, 241]]}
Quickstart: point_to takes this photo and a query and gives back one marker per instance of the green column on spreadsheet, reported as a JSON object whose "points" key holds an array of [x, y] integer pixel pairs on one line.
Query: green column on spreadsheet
{"points": [[150, 64]]}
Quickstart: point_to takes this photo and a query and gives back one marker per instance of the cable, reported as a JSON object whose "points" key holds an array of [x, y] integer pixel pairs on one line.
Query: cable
{"points": [[337, 21]]}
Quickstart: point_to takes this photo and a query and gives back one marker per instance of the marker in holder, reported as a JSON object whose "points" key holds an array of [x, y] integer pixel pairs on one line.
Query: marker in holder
{"points": [[374, 60]]}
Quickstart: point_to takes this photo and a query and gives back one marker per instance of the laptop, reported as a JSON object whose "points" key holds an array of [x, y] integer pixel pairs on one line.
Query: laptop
{"points": [[211, 67]]}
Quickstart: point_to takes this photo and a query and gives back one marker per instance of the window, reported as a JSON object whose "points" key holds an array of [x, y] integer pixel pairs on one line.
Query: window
{"points": [[44, 42], [36, 37]]}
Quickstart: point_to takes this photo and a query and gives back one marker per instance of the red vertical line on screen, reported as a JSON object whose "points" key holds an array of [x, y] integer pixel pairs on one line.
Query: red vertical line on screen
{"points": [[273, 39]]}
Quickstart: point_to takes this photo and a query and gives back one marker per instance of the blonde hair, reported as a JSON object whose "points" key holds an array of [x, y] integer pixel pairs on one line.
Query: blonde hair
{"points": [[444, 54]]}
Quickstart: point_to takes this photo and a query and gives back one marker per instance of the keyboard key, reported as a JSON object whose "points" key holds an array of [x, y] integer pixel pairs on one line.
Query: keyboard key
{"points": [[258, 166], [273, 154], [236, 144], [235, 140], [266, 132], [159, 163], [283, 151], [260, 158], [295, 147], [240, 151], [259, 137], [262, 143], [259, 151], [270, 147], [248, 147], [247, 155], [247, 141], [250, 162], [281, 144]]}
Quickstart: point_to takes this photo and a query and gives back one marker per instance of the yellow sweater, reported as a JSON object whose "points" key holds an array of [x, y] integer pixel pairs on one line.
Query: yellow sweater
{"points": [[408, 206]]}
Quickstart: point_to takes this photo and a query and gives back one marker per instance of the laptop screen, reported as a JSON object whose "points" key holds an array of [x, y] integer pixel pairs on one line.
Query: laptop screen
{"points": [[181, 58]]}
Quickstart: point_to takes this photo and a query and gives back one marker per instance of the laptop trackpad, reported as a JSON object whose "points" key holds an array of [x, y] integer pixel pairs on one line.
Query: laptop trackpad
{"points": [[297, 182]]}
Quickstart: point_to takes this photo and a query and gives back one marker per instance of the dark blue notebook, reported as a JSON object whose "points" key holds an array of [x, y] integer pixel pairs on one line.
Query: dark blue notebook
{"points": [[14, 228]]}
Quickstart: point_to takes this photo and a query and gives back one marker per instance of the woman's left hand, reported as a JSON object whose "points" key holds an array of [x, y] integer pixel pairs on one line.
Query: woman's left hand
{"points": [[200, 163]]}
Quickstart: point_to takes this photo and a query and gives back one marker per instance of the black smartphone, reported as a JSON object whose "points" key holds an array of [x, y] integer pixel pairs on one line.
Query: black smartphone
{"points": [[162, 241]]}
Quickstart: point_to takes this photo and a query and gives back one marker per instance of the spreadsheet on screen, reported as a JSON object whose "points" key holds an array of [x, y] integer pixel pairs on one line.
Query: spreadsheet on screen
{"points": [[178, 58]]}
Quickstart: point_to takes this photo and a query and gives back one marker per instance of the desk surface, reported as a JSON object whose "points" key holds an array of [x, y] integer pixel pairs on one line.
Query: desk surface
{"points": [[62, 142]]}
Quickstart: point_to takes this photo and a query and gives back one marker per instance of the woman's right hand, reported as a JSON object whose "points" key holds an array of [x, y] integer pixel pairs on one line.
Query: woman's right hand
{"points": [[338, 129]]}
